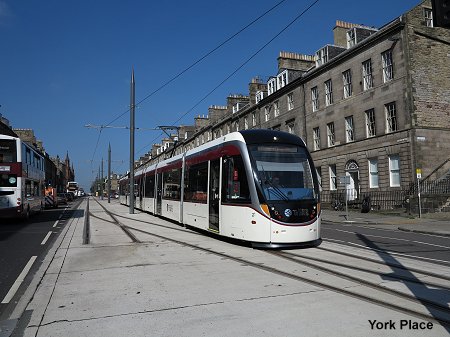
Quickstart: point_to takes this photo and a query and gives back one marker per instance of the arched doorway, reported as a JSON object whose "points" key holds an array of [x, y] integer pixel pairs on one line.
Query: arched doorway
{"points": [[352, 171]]}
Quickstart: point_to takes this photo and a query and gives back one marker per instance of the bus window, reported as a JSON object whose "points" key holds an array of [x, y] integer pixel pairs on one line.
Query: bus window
{"points": [[8, 151], [8, 180]]}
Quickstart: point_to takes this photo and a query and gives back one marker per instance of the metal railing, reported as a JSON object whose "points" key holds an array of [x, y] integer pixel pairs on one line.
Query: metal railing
{"points": [[434, 194]]}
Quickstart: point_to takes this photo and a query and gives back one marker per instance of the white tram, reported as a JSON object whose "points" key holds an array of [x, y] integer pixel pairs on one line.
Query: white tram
{"points": [[254, 185]]}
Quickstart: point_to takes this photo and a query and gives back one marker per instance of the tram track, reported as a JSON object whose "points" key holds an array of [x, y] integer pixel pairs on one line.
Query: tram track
{"points": [[304, 261], [387, 263], [115, 221], [364, 290]]}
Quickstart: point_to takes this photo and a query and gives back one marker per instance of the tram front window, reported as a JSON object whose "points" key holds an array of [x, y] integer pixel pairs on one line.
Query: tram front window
{"points": [[283, 171]]}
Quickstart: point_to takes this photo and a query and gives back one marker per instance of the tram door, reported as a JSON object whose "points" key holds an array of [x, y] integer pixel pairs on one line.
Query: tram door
{"points": [[158, 193], [214, 200]]}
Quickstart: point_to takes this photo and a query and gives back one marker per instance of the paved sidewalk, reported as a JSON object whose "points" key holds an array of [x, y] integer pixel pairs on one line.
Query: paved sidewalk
{"points": [[428, 223]]}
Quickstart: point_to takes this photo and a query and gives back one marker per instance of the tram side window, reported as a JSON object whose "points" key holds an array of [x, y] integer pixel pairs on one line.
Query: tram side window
{"points": [[150, 186], [234, 181], [172, 184], [196, 183]]}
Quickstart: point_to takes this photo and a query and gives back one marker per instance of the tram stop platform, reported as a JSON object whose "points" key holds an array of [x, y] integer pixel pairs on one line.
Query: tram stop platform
{"points": [[192, 284]]}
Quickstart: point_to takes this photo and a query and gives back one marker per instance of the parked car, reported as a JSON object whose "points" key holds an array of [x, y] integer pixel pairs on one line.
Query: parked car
{"points": [[62, 199]]}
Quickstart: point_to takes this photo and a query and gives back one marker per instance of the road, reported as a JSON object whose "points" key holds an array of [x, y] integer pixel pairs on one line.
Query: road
{"points": [[23, 244], [426, 247]]}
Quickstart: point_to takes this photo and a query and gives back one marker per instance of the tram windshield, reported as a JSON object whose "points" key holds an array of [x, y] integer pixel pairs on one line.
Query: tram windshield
{"points": [[283, 171]]}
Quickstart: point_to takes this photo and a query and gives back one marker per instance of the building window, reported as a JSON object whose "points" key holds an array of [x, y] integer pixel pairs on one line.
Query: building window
{"points": [[322, 56], [328, 93], [394, 170], [290, 101], [316, 138], [276, 108], [333, 179], [373, 173], [282, 79], [391, 117], [267, 113], [290, 127], [349, 134], [236, 125], [253, 118], [330, 134], [370, 123], [319, 176], [388, 68], [428, 14], [367, 75], [315, 99], [259, 96], [271, 86], [245, 123], [347, 79], [351, 38]]}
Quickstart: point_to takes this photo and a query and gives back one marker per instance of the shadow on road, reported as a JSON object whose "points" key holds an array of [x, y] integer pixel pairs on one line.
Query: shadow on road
{"points": [[421, 291]]}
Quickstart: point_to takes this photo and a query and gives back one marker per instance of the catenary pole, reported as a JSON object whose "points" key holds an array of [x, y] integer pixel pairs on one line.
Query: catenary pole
{"points": [[101, 183], [132, 143], [109, 173]]}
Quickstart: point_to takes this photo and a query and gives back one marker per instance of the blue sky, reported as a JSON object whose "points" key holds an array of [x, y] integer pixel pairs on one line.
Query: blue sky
{"points": [[67, 64]]}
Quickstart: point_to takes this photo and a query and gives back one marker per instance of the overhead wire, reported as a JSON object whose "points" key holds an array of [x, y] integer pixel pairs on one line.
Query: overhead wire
{"points": [[194, 64], [239, 67]]}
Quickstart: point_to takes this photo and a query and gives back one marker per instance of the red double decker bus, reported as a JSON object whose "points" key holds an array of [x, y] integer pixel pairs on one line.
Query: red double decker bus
{"points": [[22, 176]]}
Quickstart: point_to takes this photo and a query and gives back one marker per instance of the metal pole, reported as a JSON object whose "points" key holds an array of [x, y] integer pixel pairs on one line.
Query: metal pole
{"points": [[109, 173], [132, 143], [418, 194], [101, 182]]}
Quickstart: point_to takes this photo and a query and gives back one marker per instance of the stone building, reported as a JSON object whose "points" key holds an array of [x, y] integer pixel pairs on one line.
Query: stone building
{"points": [[373, 107]]}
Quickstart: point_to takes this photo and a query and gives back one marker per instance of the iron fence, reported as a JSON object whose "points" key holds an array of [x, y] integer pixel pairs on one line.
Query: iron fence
{"points": [[434, 193]]}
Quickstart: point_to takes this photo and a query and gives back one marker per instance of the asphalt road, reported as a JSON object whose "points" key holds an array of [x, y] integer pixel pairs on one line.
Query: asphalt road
{"points": [[23, 244], [431, 248]]}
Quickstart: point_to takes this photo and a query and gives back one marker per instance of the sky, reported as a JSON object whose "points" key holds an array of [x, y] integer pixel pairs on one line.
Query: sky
{"points": [[67, 64]]}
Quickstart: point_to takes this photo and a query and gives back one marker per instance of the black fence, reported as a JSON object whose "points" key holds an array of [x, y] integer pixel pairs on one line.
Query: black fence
{"points": [[435, 196]]}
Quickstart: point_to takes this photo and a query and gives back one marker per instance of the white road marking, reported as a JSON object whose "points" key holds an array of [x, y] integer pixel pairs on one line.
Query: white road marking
{"points": [[19, 281], [56, 222], [384, 251], [46, 238], [391, 238]]}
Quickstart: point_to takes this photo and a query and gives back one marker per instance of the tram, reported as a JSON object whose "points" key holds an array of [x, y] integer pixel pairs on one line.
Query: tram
{"points": [[258, 186], [22, 176]]}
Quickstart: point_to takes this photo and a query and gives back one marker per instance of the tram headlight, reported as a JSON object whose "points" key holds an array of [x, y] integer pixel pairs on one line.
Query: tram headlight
{"points": [[265, 209]]}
